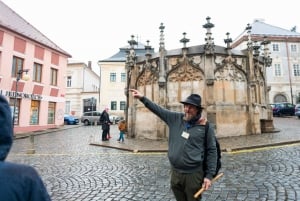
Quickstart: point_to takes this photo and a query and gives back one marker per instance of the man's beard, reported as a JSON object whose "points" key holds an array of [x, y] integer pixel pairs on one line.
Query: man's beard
{"points": [[188, 117]]}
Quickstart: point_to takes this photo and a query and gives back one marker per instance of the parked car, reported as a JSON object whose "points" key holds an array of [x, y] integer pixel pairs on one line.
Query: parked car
{"points": [[272, 105], [70, 119], [297, 110], [283, 109], [89, 118], [114, 118]]}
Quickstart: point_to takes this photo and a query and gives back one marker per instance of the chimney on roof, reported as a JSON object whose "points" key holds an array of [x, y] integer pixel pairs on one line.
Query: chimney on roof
{"points": [[90, 64], [294, 29]]}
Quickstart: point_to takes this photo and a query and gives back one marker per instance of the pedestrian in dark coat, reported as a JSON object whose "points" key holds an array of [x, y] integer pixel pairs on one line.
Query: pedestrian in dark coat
{"points": [[17, 182], [104, 119]]}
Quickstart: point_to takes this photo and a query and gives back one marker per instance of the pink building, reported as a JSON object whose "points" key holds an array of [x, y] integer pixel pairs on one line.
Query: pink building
{"points": [[37, 103]]}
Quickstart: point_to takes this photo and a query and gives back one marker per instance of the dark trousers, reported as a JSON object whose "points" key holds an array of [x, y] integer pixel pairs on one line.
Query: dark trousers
{"points": [[185, 185], [104, 134]]}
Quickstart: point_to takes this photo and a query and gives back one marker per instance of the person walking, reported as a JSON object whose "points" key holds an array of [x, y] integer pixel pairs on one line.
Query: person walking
{"points": [[18, 182], [187, 146], [104, 119], [122, 129]]}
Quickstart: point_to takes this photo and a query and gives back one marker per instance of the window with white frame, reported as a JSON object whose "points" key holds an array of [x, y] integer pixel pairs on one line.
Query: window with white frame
{"points": [[113, 77], [68, 107], [113, 105], [296, 70], [69, 81], [123, 77], [293, 48], [275, 47], [122, 105], [277, 70]]}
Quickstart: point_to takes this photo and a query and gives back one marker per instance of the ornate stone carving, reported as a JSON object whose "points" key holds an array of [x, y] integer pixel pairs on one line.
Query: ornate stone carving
{"points": [[195, 61], [149, 74], [174, 62], [230, 73], [185, 73]]}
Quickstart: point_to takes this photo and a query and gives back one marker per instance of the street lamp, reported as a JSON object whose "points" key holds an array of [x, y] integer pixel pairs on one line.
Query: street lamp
{"points": [[19, 76]]}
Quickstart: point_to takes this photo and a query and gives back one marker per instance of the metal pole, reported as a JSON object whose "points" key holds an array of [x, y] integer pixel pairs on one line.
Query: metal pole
{"points": [[15, 97], [19, 73]]}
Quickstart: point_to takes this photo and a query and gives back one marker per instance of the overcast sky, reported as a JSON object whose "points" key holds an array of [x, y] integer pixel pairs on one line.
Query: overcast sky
{"points": [[92, 30]]}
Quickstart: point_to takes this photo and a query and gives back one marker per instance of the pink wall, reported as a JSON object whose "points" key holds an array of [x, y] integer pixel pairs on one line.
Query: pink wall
{"points": [[31, 52]]}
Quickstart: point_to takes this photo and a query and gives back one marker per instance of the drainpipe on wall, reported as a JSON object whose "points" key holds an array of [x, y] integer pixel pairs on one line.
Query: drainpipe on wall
{"points": [[83, 87], [289, 68]]}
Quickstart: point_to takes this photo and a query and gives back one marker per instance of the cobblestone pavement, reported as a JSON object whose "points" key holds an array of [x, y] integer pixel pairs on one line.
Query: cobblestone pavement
{"points": [[72, 169]]}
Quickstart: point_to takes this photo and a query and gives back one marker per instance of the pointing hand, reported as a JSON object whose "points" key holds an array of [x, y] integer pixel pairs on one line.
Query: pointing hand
{"points": [[136, 93]]}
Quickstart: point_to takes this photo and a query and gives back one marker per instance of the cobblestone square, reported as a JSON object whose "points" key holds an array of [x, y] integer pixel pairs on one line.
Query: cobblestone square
{"points": [[74, 170]]}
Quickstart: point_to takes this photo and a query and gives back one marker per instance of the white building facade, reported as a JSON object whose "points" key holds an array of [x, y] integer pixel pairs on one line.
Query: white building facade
{"points": [[283, 76], [82, 88]]}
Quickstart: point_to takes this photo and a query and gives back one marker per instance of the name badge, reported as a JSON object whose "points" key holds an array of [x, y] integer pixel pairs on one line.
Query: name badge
{"points": [[185, 135]]}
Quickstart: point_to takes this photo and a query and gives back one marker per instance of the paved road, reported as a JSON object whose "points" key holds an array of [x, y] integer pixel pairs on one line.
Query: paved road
{"points": [[74, 170]]}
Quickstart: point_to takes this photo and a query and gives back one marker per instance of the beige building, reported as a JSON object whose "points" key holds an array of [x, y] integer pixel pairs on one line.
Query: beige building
{"points": [[82, 88], [114, 78]]}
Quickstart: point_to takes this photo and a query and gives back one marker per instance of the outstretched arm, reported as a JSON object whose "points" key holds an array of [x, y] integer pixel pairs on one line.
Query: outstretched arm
{"points": [[136, 93]]}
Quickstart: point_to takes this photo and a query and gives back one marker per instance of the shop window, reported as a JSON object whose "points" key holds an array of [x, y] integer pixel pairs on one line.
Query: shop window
{"points": [[15, 108], [51, 113], [34, 112]]}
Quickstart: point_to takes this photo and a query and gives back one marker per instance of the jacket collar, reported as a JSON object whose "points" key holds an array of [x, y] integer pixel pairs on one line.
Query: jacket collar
{"points": [[202, 121]]}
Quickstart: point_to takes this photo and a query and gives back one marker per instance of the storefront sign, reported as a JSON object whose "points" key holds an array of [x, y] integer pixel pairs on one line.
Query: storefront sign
{"points": [[13, 94]]}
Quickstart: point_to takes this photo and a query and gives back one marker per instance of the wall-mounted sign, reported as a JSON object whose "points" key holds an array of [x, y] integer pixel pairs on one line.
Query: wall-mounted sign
{"points": [[13, 94]]}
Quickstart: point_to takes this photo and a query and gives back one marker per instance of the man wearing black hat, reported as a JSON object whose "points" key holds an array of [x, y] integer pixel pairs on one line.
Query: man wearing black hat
{"points": [[187, 143]]}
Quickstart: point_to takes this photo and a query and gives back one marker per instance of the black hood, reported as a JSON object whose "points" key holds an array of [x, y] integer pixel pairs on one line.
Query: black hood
{"points": [[6, 129]]}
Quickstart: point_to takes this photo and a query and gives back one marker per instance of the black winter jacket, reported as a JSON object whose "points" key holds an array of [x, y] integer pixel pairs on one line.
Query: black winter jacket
{"points": [[17, 182]]}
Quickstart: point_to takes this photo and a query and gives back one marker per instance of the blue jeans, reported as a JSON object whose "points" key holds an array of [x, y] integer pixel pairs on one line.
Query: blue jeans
{"points": [[121, 138]]}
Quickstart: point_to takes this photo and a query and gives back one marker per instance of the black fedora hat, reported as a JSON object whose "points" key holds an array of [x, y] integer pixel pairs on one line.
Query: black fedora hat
{"points": [[193, 99]]}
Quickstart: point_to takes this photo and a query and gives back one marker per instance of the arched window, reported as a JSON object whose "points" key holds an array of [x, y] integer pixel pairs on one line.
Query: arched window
{"points": [[280, 98]]}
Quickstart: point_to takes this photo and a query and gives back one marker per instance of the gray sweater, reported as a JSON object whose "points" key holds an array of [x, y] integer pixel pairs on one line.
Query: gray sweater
{"points": [[186, 145]]}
